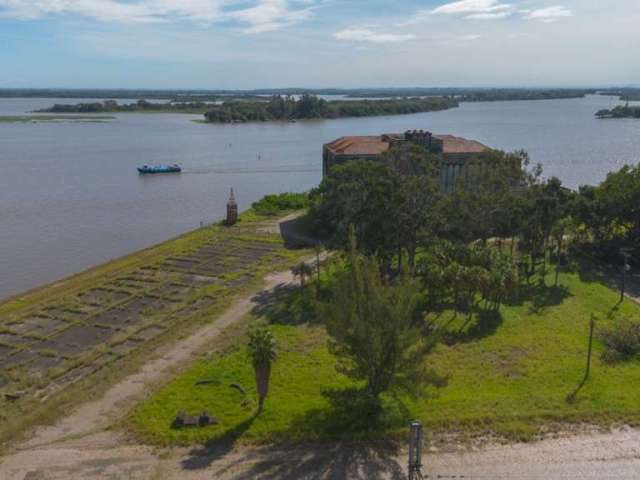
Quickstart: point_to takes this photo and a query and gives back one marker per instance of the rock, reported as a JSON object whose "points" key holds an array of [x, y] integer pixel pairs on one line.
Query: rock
{"points": [[14, 396], [183, 420]]}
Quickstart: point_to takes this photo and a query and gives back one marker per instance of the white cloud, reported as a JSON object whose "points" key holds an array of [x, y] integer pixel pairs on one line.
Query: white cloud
{"points": [[473, 7], [256, 16], [270, 15], [370, 36], [549, 14], [488, 15]]}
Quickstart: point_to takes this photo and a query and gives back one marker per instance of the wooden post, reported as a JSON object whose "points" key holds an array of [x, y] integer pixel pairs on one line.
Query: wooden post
{"points": [[592, 325]]}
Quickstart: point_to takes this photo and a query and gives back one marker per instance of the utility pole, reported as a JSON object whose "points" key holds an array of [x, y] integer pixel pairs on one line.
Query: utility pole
{"points": [[592, 325], [415, 451]]}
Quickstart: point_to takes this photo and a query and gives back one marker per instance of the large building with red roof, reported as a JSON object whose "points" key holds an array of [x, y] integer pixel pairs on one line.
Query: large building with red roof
{"points": [[458, 154]]}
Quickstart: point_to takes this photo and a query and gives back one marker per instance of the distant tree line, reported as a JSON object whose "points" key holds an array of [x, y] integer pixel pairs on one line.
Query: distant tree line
{"points": [[625, 94], [311, 106], [478, 95], [503, 95]]}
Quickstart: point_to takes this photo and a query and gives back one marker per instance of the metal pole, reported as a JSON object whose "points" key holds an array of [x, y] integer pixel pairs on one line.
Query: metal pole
{"points": [[415, 451], [592, 325]]}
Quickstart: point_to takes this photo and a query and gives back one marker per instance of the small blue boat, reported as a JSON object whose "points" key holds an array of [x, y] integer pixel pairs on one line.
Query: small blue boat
{"points": [[159, 169]]}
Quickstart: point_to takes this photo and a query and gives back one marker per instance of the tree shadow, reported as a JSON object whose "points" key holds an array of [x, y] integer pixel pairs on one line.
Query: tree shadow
{"points": [[352, 413], [204, 456], [479, 323], [338, 461], [608, 276], [543, 296], [284, 305]]}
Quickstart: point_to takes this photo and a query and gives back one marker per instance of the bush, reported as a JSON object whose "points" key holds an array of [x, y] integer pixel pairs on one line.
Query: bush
{"points": [[273, 204], [622, 341]]}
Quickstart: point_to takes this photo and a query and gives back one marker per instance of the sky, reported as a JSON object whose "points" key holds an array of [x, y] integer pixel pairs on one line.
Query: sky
{"points": [[244, 44]]}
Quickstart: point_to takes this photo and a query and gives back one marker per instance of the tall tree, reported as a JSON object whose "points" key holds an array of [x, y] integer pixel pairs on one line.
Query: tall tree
{"points": [[373, 330], [362, 194]]}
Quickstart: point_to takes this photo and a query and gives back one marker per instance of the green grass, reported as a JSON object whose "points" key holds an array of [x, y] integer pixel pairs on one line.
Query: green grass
{"points": [[53, 118], [303, 369], [509, 375]]}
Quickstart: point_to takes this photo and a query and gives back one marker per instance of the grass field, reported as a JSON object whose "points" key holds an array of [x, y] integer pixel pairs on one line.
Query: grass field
{"points": [[509, 374]]}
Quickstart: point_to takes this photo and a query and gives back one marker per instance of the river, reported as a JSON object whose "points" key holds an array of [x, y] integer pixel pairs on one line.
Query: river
{"points": [[70, 196]]}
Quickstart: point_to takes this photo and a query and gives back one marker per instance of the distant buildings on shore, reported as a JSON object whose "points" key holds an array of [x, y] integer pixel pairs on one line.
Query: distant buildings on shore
{"points": [[459, 156]]}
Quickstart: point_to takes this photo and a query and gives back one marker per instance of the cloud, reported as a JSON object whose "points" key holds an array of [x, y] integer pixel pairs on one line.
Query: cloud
{"points": [[370, 36], [255, 16], [549, 14], [270, 15], [474, 8], [488, 15]]}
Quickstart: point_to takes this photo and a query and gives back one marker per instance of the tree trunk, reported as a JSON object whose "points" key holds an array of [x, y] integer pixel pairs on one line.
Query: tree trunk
{"points": [[411, 254], [263, 373], [558, 260]]}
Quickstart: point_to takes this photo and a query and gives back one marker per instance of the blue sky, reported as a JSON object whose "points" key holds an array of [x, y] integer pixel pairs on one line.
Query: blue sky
{"points": [[318, 43]]}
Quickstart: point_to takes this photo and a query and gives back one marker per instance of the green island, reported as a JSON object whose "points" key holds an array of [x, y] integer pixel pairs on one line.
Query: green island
{"points": [[622, 111], [53, 118], [313, 107]]}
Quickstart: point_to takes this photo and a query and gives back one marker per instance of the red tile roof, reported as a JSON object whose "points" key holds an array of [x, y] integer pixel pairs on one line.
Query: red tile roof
{"points": [[378, 144], [372, 145], [453, 144]]}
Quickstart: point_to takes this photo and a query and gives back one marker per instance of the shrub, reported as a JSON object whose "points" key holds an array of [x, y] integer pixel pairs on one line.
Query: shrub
{"points": [[273, 204], [622, 341]]}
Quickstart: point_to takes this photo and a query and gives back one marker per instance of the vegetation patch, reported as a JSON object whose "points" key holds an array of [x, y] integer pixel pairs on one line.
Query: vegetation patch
{"points": [[509, 374], [275, 204]]}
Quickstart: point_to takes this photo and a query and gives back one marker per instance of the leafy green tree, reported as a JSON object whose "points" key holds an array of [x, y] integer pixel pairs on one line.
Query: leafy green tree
{"points": [[262, 351], [417, 216], [373, 328], [363, 194]]}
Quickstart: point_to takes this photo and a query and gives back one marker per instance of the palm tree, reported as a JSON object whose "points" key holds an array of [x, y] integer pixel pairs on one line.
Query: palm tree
{"points": [[262, 350], [302, 270]]}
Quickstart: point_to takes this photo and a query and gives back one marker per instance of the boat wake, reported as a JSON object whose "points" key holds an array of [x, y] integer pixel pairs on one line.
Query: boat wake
{"points": [[248, 171]]}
